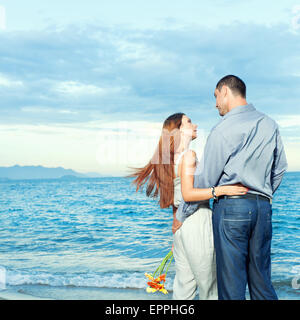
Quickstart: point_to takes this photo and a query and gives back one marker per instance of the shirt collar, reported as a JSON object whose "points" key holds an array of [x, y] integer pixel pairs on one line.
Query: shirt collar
{"points": [[239, 109]]}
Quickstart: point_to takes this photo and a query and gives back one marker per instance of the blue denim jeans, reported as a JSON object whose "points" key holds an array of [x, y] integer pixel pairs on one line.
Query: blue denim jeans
{"points": [[242, 237]]}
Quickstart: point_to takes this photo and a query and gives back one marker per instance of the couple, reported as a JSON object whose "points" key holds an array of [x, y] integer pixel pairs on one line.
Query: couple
{"points": [[220, 251]]}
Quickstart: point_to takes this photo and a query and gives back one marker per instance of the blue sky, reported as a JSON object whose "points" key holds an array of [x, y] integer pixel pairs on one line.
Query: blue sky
{"points": [[83, 83]]}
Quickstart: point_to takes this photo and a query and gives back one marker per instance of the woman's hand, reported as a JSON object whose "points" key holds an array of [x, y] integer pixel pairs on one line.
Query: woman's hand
{"points": [[176, 225], [231, 190]]}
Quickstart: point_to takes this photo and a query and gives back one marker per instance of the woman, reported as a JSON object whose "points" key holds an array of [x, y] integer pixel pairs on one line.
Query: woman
{"points": [[169, 174]]}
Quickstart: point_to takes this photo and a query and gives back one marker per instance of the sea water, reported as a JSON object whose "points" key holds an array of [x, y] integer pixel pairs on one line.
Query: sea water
{"points": [[95, 238]]}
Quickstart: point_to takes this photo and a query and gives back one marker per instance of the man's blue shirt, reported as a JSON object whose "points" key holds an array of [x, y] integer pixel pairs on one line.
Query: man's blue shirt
{"points": [[244, 147]]}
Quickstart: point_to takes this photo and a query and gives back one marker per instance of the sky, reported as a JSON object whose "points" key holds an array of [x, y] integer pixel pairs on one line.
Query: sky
{"points": [[86, 85]]}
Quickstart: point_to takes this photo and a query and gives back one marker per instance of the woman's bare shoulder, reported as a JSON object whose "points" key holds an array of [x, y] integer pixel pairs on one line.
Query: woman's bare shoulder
{"points": [[189, 157]]}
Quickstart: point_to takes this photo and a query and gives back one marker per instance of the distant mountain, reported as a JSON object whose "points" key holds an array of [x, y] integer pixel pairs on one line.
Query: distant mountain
{"points": [[40, 172], [93, 175], [69, 177]]}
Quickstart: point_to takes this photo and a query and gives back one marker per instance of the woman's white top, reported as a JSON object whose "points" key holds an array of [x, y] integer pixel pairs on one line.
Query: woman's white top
{"points": [[177, 182], [177, 186]]}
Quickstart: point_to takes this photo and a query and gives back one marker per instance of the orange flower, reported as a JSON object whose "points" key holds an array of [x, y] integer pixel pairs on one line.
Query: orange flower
{"points": [[154, 286], [162, 277], [155, 283], [149, 276]]}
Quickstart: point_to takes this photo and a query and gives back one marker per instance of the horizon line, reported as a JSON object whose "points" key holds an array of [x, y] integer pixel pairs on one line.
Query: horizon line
{"points": [[86, 172]]}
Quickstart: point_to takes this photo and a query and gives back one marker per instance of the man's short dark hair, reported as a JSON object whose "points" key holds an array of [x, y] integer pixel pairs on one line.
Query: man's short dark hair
{"points": [[236, 85]]}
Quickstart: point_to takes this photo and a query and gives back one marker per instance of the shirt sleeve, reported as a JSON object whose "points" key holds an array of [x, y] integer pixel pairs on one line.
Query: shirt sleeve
{"points": [[280, 163], [216, 154]]}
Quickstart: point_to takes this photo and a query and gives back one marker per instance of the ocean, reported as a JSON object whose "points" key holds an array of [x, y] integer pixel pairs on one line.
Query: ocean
{"points": [[95, 238]]}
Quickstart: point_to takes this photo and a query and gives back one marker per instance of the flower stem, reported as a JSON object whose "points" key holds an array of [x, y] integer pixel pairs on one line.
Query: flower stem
{"points": [[169, 264], [161, 267]]}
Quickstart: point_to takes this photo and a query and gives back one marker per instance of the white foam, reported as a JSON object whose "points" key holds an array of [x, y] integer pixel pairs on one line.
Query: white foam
{"points": [[135, 280], [295, 269]]}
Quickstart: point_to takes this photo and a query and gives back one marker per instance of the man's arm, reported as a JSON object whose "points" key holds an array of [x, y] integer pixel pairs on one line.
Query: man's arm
{"points": [[216, 154], [279, 164]]}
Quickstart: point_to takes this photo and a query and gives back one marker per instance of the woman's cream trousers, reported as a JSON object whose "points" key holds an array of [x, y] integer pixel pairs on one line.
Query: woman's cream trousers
{"points": [[194, 255]]}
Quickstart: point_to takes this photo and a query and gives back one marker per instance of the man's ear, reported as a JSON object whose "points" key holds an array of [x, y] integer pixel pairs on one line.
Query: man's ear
{"points": [[224, 91]]}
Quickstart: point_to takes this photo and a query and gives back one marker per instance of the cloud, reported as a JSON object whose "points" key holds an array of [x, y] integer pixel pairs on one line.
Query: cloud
{"points": [[289, 121], [8, 83], [81, 74], [96, 84], [38, 109], [296, 18], [73, 87], [291, 146], [105, 147]]}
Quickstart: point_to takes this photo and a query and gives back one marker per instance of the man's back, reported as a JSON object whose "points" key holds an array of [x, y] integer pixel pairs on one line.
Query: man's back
{"points": [[244, 147], [248, 150], [255, 150]]}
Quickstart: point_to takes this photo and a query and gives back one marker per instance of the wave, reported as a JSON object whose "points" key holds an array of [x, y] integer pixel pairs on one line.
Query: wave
{"points": [[122, 280], [115, 280]]}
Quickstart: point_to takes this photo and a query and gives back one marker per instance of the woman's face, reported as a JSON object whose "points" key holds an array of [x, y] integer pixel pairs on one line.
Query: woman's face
{"points": [[188, 128]]}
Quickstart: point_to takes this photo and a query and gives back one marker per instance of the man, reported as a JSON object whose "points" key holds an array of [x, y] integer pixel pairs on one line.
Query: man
{"points": [[244, 147]]}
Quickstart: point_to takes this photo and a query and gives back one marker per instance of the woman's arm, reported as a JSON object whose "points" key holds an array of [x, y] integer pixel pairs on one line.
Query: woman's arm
{"points": [[189, 193]]}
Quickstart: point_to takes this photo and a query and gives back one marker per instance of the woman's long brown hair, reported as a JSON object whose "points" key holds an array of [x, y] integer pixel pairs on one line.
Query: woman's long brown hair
{"points": [[159, 172]]}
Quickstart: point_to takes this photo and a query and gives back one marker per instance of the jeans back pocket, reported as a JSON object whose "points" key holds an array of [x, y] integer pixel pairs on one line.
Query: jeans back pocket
{"points": [[237, 222]]}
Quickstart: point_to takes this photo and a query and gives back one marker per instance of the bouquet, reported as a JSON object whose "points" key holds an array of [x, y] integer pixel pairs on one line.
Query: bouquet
{"points": [[158, 278]]}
